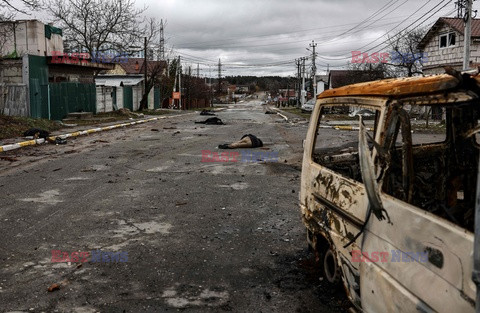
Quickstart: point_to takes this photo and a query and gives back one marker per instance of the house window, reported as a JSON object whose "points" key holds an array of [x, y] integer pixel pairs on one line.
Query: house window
{"points": [[447, 40]]}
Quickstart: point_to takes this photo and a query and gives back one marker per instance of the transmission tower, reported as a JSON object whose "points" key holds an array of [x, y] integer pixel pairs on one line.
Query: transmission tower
{"points": [[162, 42]]}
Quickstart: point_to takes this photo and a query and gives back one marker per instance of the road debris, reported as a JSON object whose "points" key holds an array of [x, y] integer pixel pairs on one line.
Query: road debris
{"points": [[207, 112], [54, 287], [7, 158], [211, 121]]}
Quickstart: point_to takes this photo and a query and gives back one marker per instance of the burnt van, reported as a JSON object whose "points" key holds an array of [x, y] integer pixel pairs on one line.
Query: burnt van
{"points": [[390, 194]]}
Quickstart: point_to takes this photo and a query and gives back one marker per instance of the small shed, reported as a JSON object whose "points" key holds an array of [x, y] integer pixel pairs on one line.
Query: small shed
{"points": [[118, 91]]}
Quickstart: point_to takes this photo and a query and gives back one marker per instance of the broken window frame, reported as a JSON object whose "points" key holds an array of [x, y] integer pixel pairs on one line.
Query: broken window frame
{"points": [[369, 104], [448, 38], [455, 130]]}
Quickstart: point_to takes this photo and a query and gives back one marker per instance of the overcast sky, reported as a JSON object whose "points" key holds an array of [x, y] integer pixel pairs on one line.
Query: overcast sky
{"points": [[273, 33], [264, 37]]}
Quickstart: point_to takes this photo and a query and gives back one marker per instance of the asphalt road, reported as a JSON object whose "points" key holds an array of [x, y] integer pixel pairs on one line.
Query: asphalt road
{"points": [[190, 236]]}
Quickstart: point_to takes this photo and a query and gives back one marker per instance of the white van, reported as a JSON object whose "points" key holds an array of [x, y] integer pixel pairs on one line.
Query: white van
{"points": [[309, 105], [390, 200]]}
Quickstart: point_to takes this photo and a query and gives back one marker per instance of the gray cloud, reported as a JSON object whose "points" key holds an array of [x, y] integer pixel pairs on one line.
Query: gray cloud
{"points": [[273, 33]]}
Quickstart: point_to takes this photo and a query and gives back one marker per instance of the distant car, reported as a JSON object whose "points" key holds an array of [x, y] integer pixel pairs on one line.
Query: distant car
{"points": [[309, 105], [362, 112]]}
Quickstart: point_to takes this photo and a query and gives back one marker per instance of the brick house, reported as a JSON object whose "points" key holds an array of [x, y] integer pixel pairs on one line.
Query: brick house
{"points": [[442, 45]]}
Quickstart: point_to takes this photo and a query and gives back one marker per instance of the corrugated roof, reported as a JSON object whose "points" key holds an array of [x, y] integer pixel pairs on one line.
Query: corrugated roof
{"points": [[456, 24], [135, 65], [395, 87], [459, 25]]}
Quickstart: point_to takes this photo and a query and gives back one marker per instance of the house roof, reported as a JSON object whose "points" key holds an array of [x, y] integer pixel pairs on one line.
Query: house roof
{"points": [[339, 78], [118, 80], [456, 24], [135, 65]]}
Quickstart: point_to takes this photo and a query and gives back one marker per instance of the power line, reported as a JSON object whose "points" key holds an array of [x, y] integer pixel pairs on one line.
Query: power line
{"points": [[397, 34]]}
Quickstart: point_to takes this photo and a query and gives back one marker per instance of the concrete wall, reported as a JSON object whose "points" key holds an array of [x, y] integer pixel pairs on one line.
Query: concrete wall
{"points": [[151, 105], [11, 71], [137, 96], [119, 97], [13, 99], [29, 39], [104, 99]]}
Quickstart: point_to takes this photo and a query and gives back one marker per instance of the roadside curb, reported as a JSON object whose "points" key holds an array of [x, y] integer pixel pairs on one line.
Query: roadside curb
{"points": [[33, 142], [278, 112]]}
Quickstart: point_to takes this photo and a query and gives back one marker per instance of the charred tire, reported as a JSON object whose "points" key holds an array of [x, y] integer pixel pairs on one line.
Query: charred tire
{"points": [[331, 269]]}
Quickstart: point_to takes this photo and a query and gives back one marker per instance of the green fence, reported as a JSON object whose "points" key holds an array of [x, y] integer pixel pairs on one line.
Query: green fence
{"points": [[128, 97], [156, 98], [56, 100], [38, 75], [71, 97]]}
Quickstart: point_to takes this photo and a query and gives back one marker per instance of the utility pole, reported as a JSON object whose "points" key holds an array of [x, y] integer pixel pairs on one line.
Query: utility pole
{"points": [[313, 45], [297, 85], [219, 76], [210, 79], [179, 83], [467, 35], [302, 99], [188, 101], [145, 69], [198, 70]]}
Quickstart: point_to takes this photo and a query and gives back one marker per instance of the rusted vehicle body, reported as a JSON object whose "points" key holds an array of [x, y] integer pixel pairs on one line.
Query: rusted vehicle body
{"points": [[389, 205]]}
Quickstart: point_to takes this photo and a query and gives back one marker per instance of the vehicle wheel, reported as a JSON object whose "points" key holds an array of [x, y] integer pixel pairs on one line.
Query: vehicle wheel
{"points": [[331, 270]]}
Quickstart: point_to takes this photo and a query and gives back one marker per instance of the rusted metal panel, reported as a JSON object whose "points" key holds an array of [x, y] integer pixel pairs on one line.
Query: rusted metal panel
{"points": [[396, 87], [335, 207]]}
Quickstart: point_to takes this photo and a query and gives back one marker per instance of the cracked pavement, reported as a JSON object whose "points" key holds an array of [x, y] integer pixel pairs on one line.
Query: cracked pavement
{"points": [[222, 236]]}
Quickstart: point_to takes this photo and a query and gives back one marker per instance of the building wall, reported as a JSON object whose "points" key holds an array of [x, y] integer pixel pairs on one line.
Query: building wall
{"points": [[151, 105], [118, 70], [104, 99], [29, 38], [11, 71], [13, 99], [119, 97], [137, 96], [451, 56], [70, 73]]}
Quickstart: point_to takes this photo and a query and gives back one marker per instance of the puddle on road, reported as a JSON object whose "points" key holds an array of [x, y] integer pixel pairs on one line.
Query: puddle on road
{"points": [[154, 227], [76, 178], [47, 197], [185, 296], [132, 228], [235, 186], [158, 169]]}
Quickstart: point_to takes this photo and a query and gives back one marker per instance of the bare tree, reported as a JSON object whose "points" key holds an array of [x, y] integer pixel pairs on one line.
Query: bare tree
{"points": [[406, 59], [19, 6], [154, 69], [98, 25]]}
